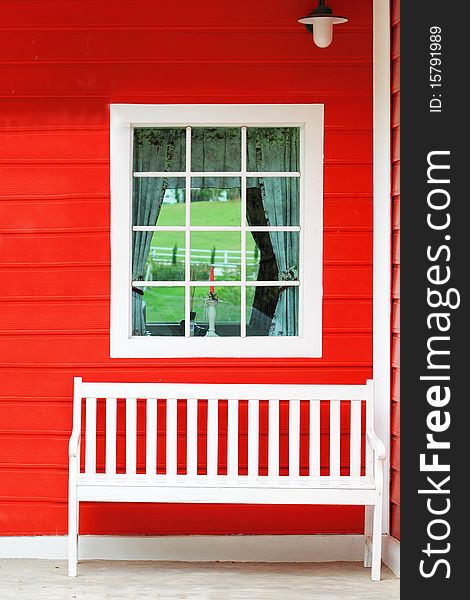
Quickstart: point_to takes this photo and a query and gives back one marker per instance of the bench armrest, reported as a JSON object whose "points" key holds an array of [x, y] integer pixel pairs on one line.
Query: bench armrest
{"points": [[376, 444], [73, 444]]}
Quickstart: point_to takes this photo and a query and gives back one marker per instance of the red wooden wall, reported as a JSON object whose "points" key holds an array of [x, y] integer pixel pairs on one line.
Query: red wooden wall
{"points": [[61, 63], [395, 425]]}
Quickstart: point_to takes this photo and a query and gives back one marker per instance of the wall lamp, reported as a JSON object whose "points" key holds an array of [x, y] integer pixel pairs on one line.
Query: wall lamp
{"points": [[320, 21]]}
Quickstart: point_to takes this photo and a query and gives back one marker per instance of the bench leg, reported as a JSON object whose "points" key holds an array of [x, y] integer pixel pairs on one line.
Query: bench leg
{"points": [[73, 536], [377, 538], [368, 515]]}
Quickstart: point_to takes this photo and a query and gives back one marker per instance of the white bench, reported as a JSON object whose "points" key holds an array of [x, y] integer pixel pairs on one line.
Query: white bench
{"points": [[358, 483]]}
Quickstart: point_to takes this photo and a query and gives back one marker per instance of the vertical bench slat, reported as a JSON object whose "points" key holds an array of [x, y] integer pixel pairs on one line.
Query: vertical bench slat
{"points": [[232, 438], [90, 433], [171, 436], [335, 436], [273, 438], [151, 437], [355, 439], [212, 436], [191, 437], [131, 435], [314, 439], [111, 406], [370, 425], [294, 437], [253, 437]]}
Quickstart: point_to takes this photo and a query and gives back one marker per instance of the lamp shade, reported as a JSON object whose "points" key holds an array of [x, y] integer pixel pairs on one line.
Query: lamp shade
{"points": [[320, 22]]}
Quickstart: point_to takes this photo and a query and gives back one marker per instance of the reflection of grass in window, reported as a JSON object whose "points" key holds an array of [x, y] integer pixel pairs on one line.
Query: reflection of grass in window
{"points": [[166, 305], [204, 213]]}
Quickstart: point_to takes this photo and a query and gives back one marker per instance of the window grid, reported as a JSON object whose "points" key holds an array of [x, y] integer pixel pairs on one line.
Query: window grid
{"points": [[243, 228], [221, 283]]}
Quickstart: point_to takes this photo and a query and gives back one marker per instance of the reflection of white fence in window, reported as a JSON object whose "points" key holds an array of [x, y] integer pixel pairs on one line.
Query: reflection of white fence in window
{"points": [[223, 258]]}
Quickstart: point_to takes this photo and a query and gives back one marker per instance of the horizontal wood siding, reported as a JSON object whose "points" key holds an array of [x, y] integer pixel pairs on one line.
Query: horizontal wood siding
{"points": [[61, 65], [395, 426]]}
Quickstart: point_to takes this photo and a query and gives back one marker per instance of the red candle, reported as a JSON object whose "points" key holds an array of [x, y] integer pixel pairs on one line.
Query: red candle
{"points": [[211, 278]]}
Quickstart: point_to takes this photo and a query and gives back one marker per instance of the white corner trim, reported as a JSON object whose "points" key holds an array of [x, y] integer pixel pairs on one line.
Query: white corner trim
{"points": [[391, 553], [382, 236], [239, 548]]}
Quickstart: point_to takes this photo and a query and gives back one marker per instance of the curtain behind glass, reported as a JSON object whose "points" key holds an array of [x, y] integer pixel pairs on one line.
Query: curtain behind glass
{"points": [[278, 150]]}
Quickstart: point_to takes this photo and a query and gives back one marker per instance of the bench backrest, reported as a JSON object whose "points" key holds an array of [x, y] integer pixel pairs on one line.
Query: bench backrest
{"points": [[225, 430]]}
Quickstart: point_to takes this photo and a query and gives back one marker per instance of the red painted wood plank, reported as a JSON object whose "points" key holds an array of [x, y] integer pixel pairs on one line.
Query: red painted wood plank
{"points": [[396, 351], [396, 384], [395, 521], [395, 421], [396, 108], [396, 281], [395, 37], [88, 316], [93, 348], [33, 518], [348, 145], [396, 144], [395, 9], [79, 13], [28, 146], [111, 80], [395, 453], [119, 45], [53, 381], [347, 211], [396, 213], [395, 487], [396, 317], [67, 113], [37, 284]]}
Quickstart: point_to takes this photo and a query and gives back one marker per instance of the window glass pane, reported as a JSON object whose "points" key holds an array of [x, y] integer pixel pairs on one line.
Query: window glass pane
{"points": [[166, 257], [158, 311], [212, 207], [272, 255], [273, 149], [216, 149], [159, 149], [157, 201], [225, 313], [272, 311], [220, 249], [273, 201]]}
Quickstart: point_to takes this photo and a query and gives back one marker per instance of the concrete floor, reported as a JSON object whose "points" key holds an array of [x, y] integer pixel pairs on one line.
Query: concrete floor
{"points": [[48, 580]]}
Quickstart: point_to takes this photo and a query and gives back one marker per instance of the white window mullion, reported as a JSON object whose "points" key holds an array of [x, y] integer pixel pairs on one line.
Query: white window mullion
{"points": [[273, 228], [221, 283], [141, 174], [215, 228], [243, 246], [187, 270]]}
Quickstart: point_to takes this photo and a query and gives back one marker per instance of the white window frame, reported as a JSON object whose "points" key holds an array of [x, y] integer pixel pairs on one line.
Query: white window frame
{"points": [[309, 117]]}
